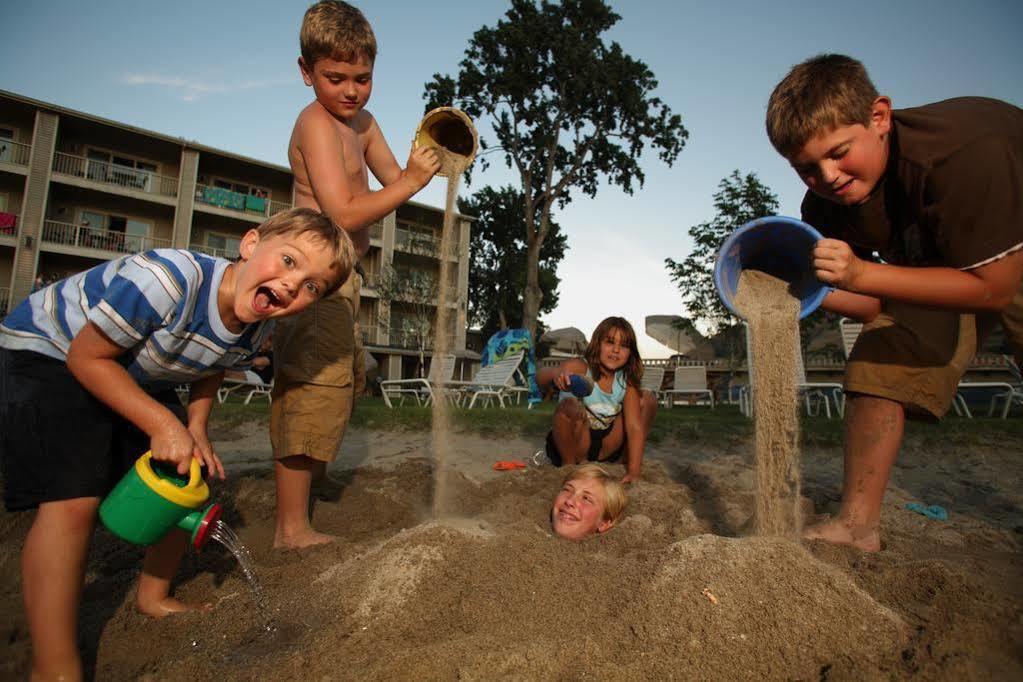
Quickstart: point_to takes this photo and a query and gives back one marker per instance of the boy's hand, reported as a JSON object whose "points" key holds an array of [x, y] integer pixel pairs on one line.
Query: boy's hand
{"points": [[174, 443], [422, 165], [204, 452], [835, 263]]}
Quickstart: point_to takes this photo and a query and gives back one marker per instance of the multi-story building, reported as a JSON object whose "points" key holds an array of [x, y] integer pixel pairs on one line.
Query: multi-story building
{"points": [[76, 189]]}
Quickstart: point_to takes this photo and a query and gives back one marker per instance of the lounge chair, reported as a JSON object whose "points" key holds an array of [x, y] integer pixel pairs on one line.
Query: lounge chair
{"points": [[653, 380], [442, 369], [493, 381], [250, 382], [689, 380], [1009, 392]]}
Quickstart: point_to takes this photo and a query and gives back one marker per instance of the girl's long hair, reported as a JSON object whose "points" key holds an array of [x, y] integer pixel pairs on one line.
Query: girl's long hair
{"points": [[633, 368]]}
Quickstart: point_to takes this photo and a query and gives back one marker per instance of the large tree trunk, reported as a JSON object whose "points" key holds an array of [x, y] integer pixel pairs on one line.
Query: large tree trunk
{"points": [[533, 294]]}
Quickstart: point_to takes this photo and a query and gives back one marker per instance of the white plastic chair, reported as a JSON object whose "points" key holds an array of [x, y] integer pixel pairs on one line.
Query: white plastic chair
{"points": [[653, 379], [442, 369], [1009, 392], [252, 382], [689, 380], [493, 381]]}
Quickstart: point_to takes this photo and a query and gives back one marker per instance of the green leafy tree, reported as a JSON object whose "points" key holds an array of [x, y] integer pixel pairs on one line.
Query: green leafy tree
{"points": [[568, 111], [738, 200], [497, 277]]}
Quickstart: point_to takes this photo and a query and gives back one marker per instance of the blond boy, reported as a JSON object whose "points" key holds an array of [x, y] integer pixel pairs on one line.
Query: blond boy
{"points": [[590, 502], [318, 356], [935, 192], [88, 367]]}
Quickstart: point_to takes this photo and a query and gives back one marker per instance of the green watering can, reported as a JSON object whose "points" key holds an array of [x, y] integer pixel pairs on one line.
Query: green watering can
{"points": [[149, 502]]}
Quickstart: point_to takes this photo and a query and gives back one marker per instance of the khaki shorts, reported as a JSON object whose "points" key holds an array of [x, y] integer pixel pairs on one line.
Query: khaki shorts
{"points": [[309, 419], [319, 368], [917, 356]]}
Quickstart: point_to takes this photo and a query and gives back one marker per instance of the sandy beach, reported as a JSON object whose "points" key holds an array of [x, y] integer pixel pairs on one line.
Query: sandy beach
{"points": [[679, 590]]}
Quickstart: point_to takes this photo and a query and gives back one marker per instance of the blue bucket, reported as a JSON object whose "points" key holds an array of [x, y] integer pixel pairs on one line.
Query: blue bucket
{"points": [[776, 245]]}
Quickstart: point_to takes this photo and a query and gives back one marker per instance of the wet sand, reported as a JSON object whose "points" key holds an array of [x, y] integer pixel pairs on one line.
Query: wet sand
{"points": [[678, 590]]}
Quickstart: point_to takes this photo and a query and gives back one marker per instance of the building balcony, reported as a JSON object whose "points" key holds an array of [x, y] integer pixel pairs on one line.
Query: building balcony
{"points": [[247, 205], [15, 153], [109, 175], [229, 254], [113, 243], [416, 242], [8, 226]]}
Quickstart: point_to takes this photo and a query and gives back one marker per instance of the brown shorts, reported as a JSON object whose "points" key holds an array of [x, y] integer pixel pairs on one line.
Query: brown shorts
{"points": [[917, 355], [309, 419]]}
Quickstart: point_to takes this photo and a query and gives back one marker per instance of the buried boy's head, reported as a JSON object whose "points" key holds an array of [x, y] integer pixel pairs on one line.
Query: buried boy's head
{"points": [[590, 502]]}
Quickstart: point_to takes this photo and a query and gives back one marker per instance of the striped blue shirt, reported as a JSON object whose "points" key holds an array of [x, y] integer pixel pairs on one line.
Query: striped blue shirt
{"points": [[160, 305]]}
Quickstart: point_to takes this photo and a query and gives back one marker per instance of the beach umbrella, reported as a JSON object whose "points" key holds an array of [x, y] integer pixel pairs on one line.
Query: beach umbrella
{"points": [[673, 331], [565, 340]]}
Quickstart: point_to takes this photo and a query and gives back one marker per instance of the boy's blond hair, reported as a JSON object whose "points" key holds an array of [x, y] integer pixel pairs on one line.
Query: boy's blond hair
{"points": [[297, 221], [335, 29], [822, 93], [614, 492]]}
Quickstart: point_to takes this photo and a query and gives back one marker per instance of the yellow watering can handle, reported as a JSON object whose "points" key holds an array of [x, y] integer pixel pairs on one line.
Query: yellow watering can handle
{"points": [[192, 495]]}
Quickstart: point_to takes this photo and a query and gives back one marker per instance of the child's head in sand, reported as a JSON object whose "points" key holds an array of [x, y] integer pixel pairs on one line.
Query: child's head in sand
{"points": [[590, 502]]}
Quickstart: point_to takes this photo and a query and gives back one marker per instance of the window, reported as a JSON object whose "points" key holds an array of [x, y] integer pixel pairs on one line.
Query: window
{"points": [[120, 170], [226, 245], [113, 232], [6, 149]]}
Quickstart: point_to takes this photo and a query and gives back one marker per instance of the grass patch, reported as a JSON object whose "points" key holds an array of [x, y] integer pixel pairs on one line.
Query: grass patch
{"points": [[721, 426]]}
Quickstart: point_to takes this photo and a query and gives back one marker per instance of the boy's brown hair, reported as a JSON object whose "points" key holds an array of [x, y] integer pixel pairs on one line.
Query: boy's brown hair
{"points": [[633, 367], [297, 221], [818, 95], [614, 492], [335, 29]]}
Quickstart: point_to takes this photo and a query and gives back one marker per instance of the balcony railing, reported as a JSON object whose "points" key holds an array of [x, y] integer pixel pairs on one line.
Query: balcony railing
{"points": [[15, 152], [114, 174], [9, 224], [376, 230], [5, 300], [236, 201], [229, 254], [68, 234], [416, 242]]}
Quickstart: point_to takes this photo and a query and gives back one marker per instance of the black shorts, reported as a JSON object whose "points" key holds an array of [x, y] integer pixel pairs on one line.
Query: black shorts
{"points": [[597, 437], [57, 441]]}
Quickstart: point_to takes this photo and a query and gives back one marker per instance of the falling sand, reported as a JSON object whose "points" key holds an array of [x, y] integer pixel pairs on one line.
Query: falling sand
{"points": [[773, 317], [452, 165]]}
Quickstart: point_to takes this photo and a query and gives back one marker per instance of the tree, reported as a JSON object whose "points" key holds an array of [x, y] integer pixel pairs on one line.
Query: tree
{"points": [[567, 109], [737, 201], [497, 276]]}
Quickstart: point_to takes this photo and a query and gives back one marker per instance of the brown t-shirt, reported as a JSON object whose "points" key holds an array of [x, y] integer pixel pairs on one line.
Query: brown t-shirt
{"points": [[952, 193]]}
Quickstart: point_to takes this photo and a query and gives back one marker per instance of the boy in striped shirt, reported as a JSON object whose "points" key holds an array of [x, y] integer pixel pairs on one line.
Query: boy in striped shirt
{"points": [[88, 367]]}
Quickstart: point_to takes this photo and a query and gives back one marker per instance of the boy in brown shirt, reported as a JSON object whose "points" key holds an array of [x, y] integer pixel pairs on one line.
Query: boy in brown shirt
{"points": [[935, 192], [318, 355]]}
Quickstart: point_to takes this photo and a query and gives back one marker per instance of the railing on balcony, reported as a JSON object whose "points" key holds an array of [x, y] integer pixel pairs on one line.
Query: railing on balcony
{"points": [[68, 234], [376, 230], [417, 242], [5, 300], [236, 201], [15, 152], [8, 224], [114, 174], [229, 254], [371, 280]]}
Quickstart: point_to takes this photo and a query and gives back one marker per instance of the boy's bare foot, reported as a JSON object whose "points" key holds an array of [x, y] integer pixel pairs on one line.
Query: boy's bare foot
{"points": [[307, 538], [160, 608], [839, 532]]}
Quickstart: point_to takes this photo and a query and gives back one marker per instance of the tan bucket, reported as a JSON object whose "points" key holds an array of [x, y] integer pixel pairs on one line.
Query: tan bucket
{"points": [[450, 131]]}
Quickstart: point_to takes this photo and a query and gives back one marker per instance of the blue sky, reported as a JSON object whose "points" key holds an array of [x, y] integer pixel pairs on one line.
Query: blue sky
{"points": [[224, 74]]}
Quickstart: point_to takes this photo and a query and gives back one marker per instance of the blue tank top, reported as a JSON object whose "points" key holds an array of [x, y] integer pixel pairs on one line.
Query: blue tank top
{"points": [[601, 407]]}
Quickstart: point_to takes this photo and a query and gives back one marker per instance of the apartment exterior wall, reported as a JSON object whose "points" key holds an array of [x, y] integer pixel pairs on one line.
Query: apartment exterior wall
{"points": [[82, 190]]}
